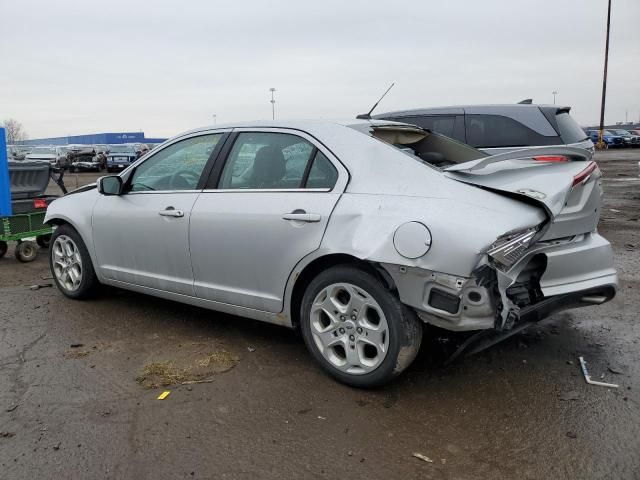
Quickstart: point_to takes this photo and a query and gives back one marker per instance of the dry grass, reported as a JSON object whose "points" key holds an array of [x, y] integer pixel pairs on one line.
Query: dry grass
{"points": [[165, 374]]}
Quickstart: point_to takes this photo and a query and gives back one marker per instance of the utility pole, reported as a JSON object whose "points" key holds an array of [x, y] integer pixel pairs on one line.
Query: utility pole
{"points": [[215, 119], [555, 92], [273, 104], [600, 145]]}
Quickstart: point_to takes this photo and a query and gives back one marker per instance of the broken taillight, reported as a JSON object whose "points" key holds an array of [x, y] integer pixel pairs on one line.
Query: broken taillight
{"points": [[551, 158], [584, 175], [39, 203]]}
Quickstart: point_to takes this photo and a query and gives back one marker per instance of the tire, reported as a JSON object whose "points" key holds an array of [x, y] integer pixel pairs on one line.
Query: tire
{"points": [[3, 248], [26, 251], [71, 265], [343, 343], [44, 240]]}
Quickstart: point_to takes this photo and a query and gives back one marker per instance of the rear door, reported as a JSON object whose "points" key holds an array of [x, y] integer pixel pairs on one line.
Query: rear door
{"points": [[142, 237], [265, 208]]}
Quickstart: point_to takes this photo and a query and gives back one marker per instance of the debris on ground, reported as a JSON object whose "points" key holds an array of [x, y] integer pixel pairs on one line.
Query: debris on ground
{"points": [[7, 434], [422, 457], [569, 396], [164, 395], [57, 446], [76, 345], [615, 369], [572, 435], [587, 377], [70, 354], [40, 285], [165, 374], [13, 407], [193, 382], [251, 349]]}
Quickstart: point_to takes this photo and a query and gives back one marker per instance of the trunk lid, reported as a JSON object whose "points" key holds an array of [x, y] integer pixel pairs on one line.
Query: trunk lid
{"points": [[562, 180]]}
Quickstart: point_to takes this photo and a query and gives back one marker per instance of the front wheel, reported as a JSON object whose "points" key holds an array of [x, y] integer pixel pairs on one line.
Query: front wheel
{"points": [[356, 329], [71, 264]]}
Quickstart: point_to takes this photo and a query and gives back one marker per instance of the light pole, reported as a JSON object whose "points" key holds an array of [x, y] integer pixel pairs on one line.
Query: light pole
{"points": [[215, 119], [555, 92], [600, 145], [273, 104]]}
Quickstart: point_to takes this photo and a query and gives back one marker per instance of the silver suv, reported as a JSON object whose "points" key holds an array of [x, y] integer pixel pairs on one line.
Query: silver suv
{"points": [[499, 128]]}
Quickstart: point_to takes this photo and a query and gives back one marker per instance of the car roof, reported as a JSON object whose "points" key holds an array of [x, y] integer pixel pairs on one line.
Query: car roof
{"points": [[472, 109]]}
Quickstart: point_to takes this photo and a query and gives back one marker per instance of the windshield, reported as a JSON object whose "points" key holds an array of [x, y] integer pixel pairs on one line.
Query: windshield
{"points": [[43, 150], [624, 133], [121, 149], [608, 132]]}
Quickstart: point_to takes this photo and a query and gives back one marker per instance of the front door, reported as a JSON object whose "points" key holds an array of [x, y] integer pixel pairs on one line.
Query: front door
{"points": [[266, 210], [142, 236]]}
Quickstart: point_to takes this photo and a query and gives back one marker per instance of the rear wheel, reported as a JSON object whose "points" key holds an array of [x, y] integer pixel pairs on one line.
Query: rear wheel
{"points": [[26, 251], [71, 264], [356, 329]]}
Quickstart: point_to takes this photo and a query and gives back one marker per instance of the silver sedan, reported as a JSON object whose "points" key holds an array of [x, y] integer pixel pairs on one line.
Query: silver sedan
{"points": [[357, 233]]}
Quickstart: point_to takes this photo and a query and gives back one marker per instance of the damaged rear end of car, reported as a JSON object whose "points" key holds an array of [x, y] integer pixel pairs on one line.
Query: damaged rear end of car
{"points": [[529, 273]]}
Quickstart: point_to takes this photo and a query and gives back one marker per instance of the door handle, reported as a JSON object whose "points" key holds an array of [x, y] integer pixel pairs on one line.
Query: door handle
{"points": [[302, 216], [171, 212]]}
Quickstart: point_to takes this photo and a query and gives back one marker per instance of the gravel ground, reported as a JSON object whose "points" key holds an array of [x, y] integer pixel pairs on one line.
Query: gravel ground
{"points": [[77, 397]]}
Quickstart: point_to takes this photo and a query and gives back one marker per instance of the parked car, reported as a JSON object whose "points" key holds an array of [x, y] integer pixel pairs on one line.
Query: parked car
{"points": [[55, 155], [82, 158], [345, 232], [629, 139], [499, 128], [608, 137], [120, 157]]}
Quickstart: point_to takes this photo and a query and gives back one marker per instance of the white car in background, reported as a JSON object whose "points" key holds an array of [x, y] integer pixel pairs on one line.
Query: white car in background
{"points": [[345, 231]]}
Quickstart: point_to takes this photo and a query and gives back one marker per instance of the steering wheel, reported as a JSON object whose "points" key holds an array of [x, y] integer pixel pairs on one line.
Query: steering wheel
{"points": [[179, 179]]}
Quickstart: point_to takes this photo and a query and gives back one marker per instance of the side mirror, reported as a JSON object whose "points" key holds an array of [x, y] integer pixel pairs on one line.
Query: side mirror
{"points": [[110, 185]]}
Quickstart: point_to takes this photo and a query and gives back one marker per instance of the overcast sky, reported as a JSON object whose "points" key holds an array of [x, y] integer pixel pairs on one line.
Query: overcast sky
{"points": [[74, 67]]}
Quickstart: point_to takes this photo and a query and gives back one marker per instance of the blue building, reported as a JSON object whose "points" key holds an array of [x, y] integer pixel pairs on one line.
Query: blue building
{"points": [[95, 139]]}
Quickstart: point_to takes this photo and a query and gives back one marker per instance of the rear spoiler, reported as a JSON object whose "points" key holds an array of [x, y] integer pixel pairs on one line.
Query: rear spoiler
{"points": [[572, 153]]}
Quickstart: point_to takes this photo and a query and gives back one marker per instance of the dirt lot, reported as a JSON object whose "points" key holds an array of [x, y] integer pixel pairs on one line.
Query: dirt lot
{"points": [[76, 402]]}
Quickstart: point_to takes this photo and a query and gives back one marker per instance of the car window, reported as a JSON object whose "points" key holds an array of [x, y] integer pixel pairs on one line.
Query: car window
{"points": [[443, 124], [260, 160], [486, 131], [570, 131], [177, 167], [322, 173]]}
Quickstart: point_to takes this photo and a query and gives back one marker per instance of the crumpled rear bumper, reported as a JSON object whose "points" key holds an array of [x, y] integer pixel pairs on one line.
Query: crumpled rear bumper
{"points": [[579, 272], [582, 264]]}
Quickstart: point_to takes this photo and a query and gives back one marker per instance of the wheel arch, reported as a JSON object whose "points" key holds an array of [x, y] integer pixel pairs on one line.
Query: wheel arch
{"points": [[59, 220], [324, 262]]}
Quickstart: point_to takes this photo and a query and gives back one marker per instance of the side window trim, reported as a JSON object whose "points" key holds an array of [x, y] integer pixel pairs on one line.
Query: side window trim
{"points": [[211, 182], [307, 167]]}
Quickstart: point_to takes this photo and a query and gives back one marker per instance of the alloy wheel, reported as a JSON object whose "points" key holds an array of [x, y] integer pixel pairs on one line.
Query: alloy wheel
{"points": [[67, 263], [349, 328]]}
